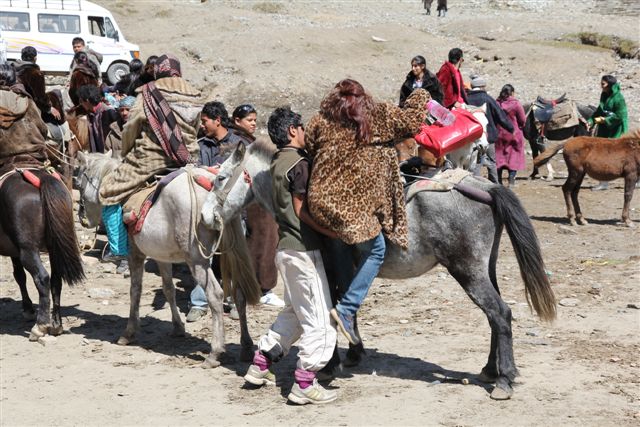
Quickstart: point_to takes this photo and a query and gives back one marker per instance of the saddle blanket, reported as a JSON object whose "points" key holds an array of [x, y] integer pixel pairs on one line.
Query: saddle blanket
{"points": [[137, 206], [443, 181], [561, 116]]}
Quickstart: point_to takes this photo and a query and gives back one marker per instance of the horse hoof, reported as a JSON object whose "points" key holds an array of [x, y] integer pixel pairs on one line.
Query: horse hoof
{"points": [[37, 331], [55, 330], [629, 223], [583, 221], [210, 362], [486, 378], [573, 222], [246, 354], [501, 394], [29, 315], [124, 341]]}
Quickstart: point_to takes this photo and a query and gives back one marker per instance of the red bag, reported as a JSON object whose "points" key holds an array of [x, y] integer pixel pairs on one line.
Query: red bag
{"points": [[441, 140]]}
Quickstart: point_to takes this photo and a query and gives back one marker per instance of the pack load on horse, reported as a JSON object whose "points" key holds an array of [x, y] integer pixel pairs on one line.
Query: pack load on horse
{"points": [[36, 211], [603, 159], [460, 141], [458, 223], [553, 120], [160, 140]]}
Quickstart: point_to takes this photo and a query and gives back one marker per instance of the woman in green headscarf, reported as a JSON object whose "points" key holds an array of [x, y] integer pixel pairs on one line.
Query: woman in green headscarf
{"points": [[610, 116]]}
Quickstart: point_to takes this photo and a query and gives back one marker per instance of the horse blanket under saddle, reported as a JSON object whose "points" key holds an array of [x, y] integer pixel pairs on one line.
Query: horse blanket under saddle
{"points": [[555, 114], [442, 181], [137, 206]]}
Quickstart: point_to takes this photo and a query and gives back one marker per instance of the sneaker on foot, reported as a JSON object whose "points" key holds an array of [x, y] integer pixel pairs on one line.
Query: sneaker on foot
{"points": [[123, 267], [257, 377], [345, 324], [271, 299], [196, 313], [111, 257], [315, 393]]}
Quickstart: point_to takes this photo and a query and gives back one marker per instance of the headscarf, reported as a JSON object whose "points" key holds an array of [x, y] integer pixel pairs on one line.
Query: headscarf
{"points": [[127, 102], [167, 66], [161, 118]]}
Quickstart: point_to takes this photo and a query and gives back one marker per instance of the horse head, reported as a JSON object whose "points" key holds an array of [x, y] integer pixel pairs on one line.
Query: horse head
{"points": [[91, 169], [243, 178], [229, 190]]}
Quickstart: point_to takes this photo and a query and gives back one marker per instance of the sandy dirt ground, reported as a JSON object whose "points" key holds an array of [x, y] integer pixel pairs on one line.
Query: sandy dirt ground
{"points": [[422, 335]]}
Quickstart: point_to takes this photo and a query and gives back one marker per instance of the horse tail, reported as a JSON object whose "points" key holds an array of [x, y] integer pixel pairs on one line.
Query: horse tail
{"points": [[60, 234], [235, 263], [538, 292], [548, 153]]}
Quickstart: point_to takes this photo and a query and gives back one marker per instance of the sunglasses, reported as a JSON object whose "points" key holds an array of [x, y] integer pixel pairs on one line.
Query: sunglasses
{"points": [[246, 108]]}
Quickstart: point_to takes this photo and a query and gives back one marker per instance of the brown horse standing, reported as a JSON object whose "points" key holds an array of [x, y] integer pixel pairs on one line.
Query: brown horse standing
{"points": [[602, 159], [32, 220]]}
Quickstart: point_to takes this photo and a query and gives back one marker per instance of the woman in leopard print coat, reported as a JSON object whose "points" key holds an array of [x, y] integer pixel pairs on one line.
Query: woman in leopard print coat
{"points": [[355, 188]]}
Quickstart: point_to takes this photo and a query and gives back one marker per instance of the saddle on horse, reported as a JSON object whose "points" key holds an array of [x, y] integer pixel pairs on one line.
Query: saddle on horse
{"points": [[553, 114]]}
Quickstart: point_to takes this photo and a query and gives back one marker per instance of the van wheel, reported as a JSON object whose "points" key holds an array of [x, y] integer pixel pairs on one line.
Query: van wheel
{"points": [[116, 71]]}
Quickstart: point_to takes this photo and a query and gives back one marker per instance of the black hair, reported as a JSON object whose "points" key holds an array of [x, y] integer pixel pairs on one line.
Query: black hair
{"points": [[455, 55], [7, 75], [90, 93], [77, 40], [28, 53], [279, 123], [506, 91], [151, 60], [419, 59], [214, 110], [611, 80], [243, 111], [136, 66]]}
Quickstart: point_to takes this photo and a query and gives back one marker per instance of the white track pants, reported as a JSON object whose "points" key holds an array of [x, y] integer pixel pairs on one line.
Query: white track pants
{"points": [[306, 312]]}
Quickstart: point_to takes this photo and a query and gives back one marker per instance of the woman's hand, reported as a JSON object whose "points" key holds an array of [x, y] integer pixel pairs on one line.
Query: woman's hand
{"points": [[599, 120]]}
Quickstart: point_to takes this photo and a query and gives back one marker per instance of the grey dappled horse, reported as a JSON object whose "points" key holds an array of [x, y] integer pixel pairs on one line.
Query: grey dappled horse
{"points": [[445, 228], [173, 233]]}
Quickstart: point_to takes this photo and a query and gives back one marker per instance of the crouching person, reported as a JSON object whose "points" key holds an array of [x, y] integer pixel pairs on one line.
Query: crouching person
{"points": [[306, 291]]}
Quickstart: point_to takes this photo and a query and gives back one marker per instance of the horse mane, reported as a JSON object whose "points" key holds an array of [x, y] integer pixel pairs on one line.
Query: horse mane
{"points": [[99, 164], [263, 148]]}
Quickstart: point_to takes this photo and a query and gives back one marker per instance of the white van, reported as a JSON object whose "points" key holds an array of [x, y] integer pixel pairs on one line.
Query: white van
{"points": [[51, 25]]}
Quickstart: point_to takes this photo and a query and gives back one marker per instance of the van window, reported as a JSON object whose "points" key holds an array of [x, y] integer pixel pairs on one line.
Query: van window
{"points": [[109, 28], [51, 23], [14, 21], [96, 25]]}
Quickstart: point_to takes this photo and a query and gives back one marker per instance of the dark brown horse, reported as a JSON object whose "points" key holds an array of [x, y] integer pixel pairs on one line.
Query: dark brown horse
{"points": [[602, 159], [34, 220]]}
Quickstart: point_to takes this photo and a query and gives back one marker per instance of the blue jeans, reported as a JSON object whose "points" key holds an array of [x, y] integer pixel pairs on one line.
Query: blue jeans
{"points": [[354, 285], [116, 231], [199, 298]]}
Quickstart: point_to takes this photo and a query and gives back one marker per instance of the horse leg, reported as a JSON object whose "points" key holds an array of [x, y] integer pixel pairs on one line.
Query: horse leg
{"points": [[484, 295], [355, 352], [136, 268], [21, 279], [203, 275], [246, 343], [550, 171], [56, 291], [166, 272], [574, 199], [567, 190], [629, 185], [30, 259]]}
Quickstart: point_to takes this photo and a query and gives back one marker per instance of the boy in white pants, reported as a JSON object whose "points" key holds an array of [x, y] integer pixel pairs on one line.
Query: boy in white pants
{"points": [[306, 291]]}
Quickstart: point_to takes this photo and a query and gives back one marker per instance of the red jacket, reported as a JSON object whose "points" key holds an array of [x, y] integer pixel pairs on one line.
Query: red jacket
{"points": [[452, 91]]}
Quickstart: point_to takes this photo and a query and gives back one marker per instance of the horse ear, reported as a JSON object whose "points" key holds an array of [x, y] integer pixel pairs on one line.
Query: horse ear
{"points": [[238, 153]]}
